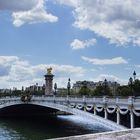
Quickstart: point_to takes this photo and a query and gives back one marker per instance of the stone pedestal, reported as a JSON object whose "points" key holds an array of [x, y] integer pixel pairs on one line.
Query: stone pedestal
{"points": [[49, 84]]}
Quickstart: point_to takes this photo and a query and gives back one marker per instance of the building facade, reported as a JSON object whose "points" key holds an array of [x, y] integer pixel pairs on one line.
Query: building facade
{"points": [[92, 85]]}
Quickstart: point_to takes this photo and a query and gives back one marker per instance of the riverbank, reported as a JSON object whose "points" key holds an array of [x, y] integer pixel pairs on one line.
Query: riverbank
{"points": [[128, 134]]}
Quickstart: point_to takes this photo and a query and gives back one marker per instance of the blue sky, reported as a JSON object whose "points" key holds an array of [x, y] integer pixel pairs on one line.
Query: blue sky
{"points": [[84, 40]]}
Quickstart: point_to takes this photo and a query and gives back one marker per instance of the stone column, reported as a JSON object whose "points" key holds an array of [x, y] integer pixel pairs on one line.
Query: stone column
{"points": [[49, 82], [85, 107], [118, 116], [105, 111], [131, 119], [130, 101], [95, 113]]}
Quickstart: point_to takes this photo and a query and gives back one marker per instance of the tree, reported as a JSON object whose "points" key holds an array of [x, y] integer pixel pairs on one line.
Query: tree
{"points": [[98, 91], [136, 87], [101, 90], [124, 91], [84, 91]]}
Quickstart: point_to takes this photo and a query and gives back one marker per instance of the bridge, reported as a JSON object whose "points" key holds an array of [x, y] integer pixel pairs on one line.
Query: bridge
{"points": [[87, 107]]}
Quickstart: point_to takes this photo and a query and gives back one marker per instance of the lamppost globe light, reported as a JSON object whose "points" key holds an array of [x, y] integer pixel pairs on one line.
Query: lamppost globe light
{"points": [[105, 82], [130, 80], [105, 86], [68, 86], [134, 74], [55, 87]]}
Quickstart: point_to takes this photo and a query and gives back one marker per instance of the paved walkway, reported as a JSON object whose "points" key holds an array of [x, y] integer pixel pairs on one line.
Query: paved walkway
{"points": [[130, 134]]}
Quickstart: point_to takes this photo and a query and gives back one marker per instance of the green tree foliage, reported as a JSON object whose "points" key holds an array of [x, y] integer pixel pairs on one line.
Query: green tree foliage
{"points": [[129, 90], [38, 93], [136, 87], [124, 91], [84, 91], [101, 90], [16, 93], [98, 91]]}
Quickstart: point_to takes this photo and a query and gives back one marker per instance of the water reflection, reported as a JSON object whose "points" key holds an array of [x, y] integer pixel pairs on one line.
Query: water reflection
{"points": [[45, 128]]}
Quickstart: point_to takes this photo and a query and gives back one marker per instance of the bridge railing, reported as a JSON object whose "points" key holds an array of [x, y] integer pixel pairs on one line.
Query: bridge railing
{"points": [[80, 99], [84, 99]]}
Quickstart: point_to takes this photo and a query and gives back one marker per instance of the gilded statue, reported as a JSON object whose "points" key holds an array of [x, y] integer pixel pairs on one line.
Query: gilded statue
{"points": [[49, 71]]}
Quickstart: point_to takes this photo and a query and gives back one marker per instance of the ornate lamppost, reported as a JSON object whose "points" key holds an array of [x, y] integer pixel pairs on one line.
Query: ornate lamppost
{"points": [[134, 75], [22, 89], [68, 86], [131, 85], [55, 88], [105, 85], [115, 87]]}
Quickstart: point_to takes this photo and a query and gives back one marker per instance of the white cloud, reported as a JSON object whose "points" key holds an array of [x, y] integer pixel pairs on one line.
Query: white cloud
{"points": [[113, 61], [15, 72], [138, 66], [16, 5], [8, 59], [116, 20], [68, 2], [111, 78], [102, 77], [33, 11], [78, 44]]}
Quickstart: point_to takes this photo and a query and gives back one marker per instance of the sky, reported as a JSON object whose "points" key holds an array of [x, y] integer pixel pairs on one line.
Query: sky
{"points": [[80, 39]]}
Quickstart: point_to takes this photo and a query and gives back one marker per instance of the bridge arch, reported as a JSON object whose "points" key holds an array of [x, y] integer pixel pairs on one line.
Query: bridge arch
{"points": [[56, 106], [26, 110]]}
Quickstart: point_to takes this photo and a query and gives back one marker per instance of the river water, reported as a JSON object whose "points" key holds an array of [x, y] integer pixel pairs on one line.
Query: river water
{"points": [[46, 128]]}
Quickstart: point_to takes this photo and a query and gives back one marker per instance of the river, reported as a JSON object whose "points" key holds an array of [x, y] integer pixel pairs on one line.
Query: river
{"points": [[46, 128]]}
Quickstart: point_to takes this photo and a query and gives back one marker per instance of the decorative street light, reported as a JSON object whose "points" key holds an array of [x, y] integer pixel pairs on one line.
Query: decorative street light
{"points": [[36, 86], [131, 84], [22, 89], [115, 86], [134, 75], [55, 88], [105, 85], [68, 86]]}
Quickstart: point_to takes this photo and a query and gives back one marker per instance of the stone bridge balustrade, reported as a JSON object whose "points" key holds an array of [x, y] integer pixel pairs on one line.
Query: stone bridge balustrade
{"points": [[71, 104], [105, 102]]}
